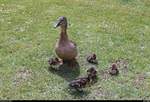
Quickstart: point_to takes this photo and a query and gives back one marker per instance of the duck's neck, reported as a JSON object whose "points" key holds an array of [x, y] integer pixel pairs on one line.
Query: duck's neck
{"points": [[63, 34]]}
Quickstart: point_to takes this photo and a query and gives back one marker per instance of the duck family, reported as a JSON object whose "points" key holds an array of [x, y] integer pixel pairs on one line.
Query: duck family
{"points": [[66, 51]]}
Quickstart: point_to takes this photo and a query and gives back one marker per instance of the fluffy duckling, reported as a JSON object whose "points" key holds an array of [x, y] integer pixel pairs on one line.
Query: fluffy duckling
{"points": [[113, 70], [92, 73], [92, 59], [54, 62], [80, 83]]}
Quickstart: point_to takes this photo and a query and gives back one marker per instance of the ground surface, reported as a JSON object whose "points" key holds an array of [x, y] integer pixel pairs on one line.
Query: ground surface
{"points": [[113, 29]]}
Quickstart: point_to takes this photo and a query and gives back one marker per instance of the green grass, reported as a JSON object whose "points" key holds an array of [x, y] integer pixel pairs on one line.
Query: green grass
{"points": [[113, 29]]}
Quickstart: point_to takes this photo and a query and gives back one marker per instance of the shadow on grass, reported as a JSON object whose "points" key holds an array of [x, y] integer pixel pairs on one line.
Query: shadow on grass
{"points": [[66, 72], [70, 74]]}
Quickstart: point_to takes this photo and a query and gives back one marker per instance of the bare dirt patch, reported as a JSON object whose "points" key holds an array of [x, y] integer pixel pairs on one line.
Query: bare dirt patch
{"points": [[122, 65], [22, 75], [139, 80]]}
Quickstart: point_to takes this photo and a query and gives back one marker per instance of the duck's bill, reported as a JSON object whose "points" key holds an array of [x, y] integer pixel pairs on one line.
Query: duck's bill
{"points": [[56, 24]]}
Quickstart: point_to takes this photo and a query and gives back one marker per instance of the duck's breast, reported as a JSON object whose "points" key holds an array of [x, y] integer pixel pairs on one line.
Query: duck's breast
{"points": [[66, 51]]}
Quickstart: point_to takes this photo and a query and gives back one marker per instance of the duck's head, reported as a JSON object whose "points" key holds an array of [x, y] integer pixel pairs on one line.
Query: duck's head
{"points": [[62, 22]]}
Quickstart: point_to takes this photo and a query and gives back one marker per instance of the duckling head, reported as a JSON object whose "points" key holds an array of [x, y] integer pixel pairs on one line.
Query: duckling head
{"points": [[114, 70], [91, 70], [114, 66], [94, 56], [62, 22]]}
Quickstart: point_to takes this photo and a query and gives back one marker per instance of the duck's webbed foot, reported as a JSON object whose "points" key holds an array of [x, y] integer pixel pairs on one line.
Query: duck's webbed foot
{"points": [[71, 63], [64, 61]]}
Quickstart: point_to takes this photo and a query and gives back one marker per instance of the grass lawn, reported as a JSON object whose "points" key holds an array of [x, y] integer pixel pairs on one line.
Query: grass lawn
{"points": [[113, 29]]}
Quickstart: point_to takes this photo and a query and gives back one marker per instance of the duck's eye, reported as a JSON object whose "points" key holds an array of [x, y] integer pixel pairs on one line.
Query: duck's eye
{"points": [[62, 20]]}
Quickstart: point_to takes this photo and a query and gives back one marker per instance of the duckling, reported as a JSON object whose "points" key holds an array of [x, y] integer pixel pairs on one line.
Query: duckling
{"points": [[92, 73], [65, 48], [113, 70], [54, 62], [80, 83], [92, 59]]}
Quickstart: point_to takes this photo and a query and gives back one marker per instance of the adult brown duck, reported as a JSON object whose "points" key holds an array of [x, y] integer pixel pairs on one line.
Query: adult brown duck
{"points": [[65, 48]]}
